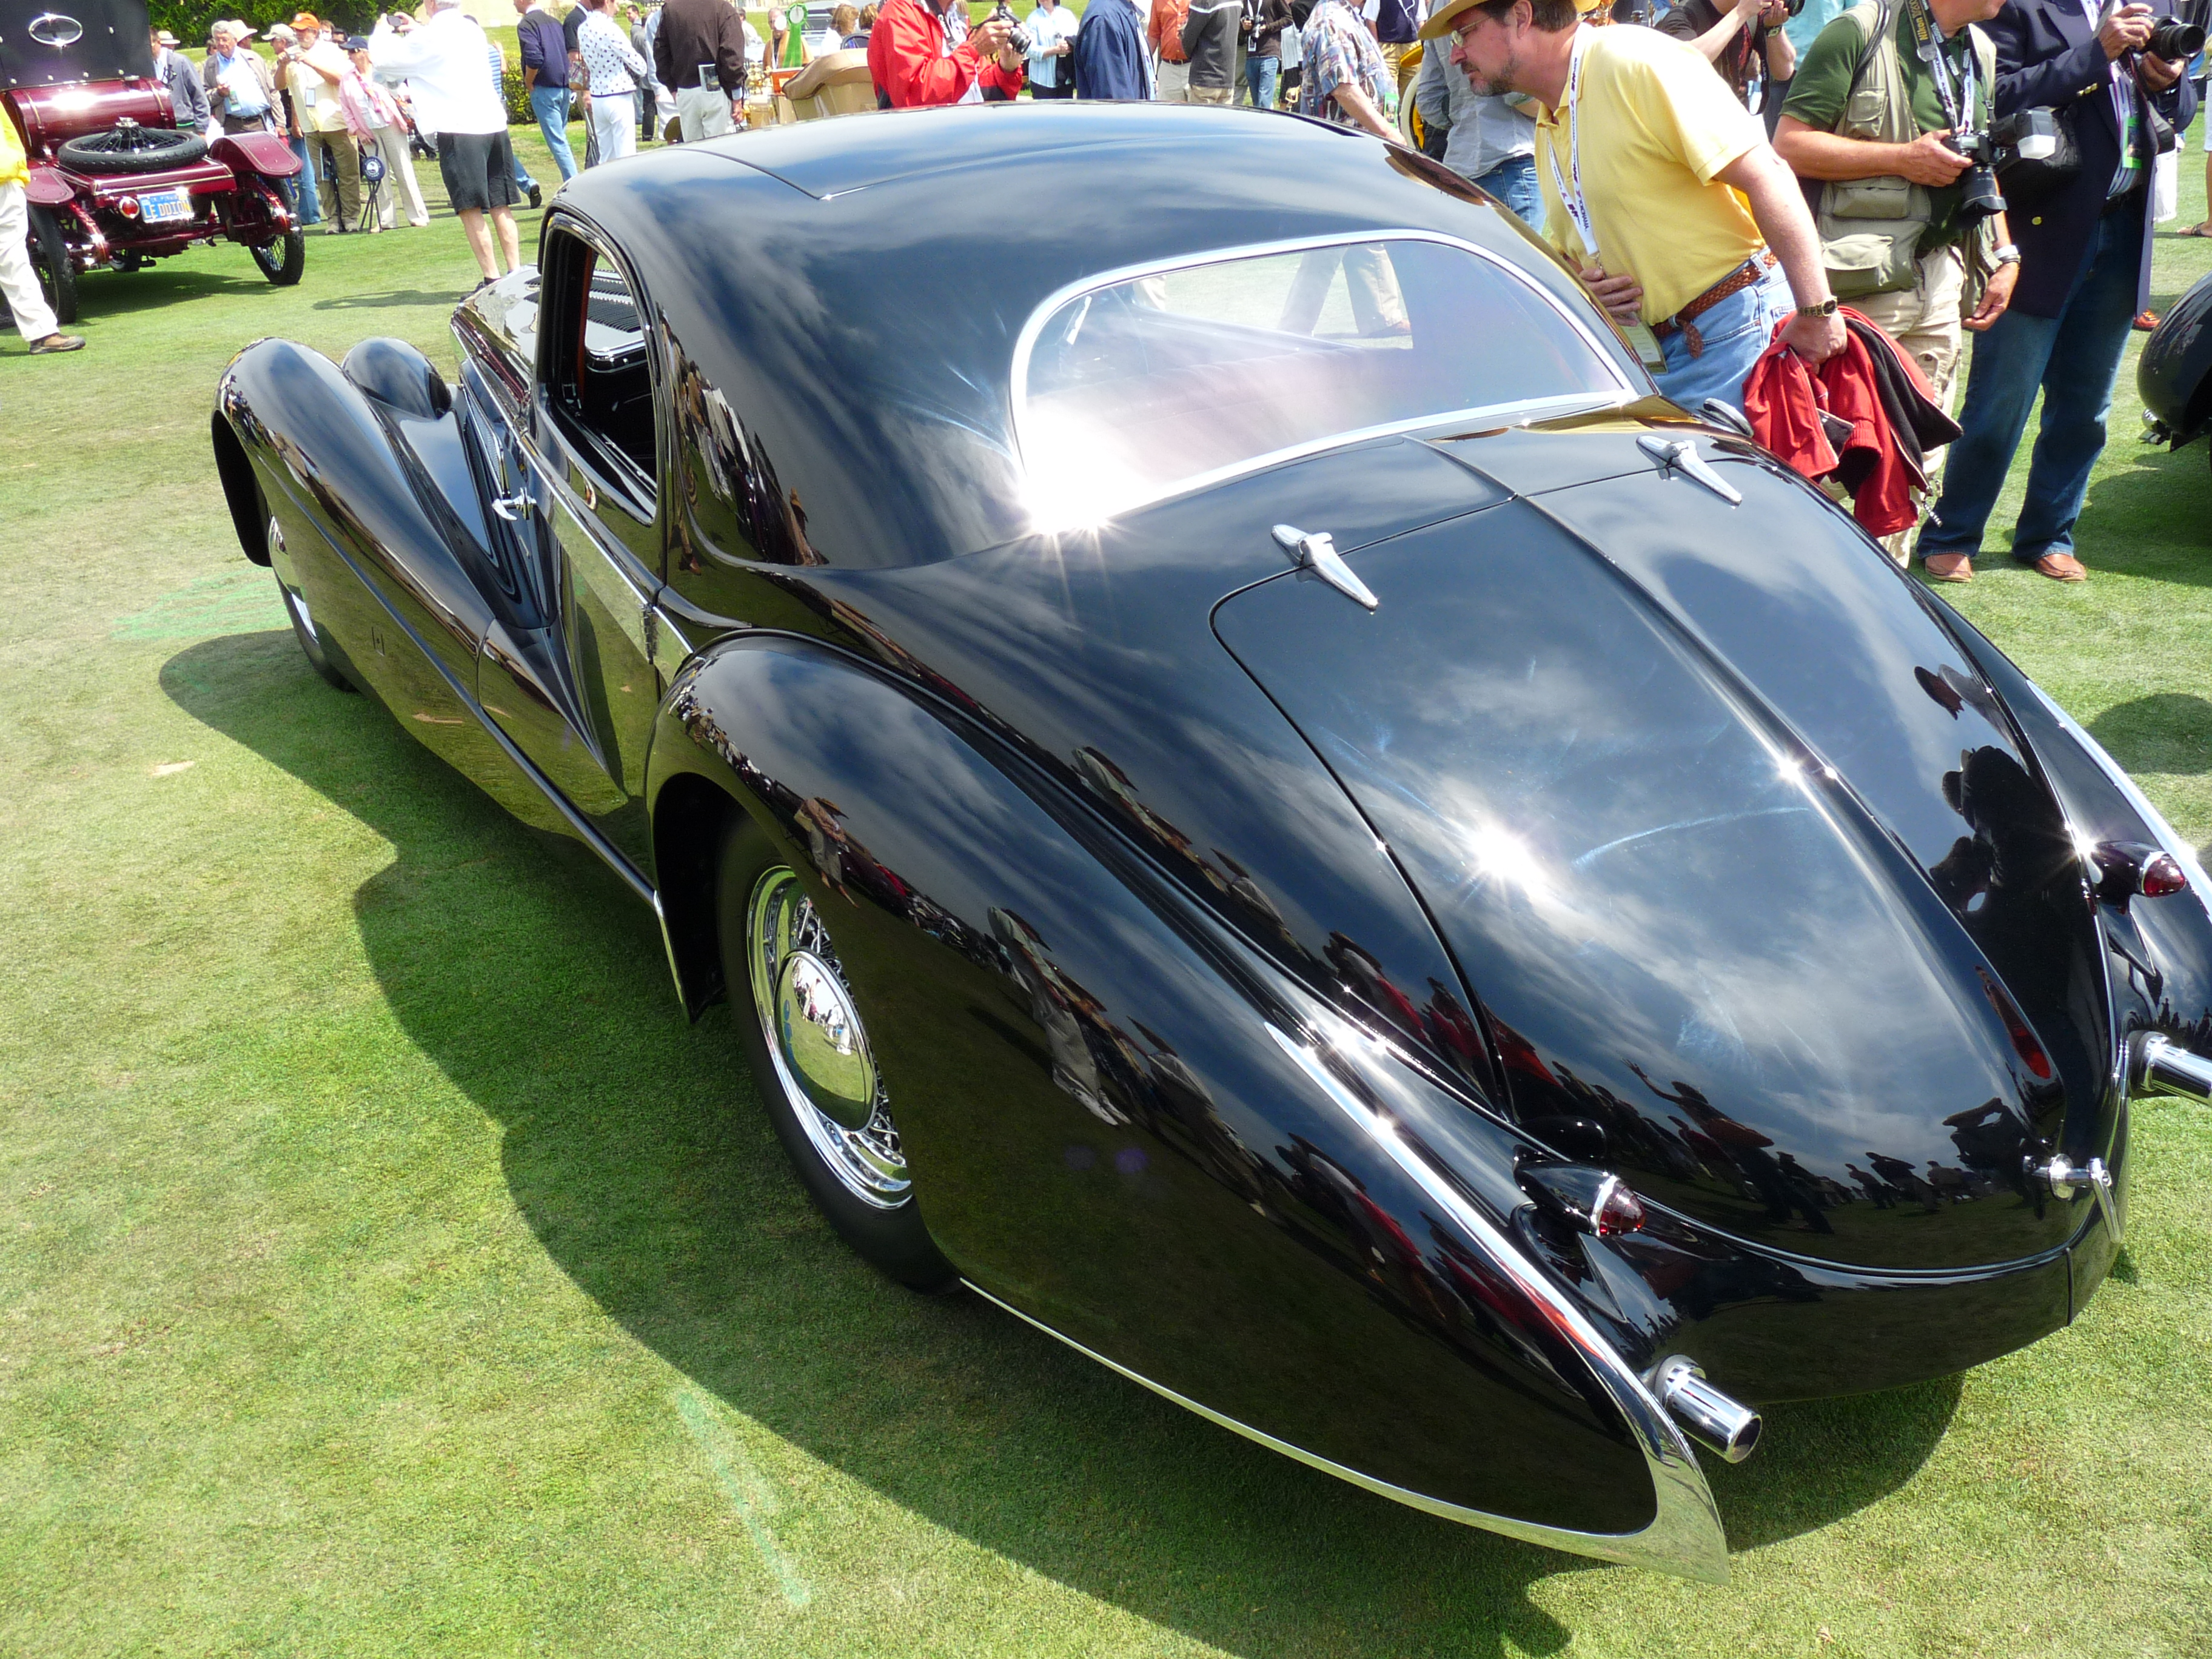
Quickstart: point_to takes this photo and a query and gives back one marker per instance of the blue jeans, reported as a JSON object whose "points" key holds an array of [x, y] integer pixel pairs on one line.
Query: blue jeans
{"points": [[1263, 78], [1514, 183], [2073, 358], [1734, 331], [304, 187], [550, 105]]}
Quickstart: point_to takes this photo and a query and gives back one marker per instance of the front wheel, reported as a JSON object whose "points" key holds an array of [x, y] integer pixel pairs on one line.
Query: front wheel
{"points": [[321, 655], [811, 1057], [282, 261], [49, 255]]}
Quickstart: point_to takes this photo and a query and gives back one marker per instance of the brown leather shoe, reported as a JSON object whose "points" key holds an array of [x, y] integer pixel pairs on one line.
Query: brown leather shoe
{"points": [[2061, 567], [1949, 567], [2146, 321], [57, 343]]}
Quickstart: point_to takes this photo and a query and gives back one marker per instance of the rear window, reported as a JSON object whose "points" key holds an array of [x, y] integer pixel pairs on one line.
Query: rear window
{"points": [[1142, 387]]}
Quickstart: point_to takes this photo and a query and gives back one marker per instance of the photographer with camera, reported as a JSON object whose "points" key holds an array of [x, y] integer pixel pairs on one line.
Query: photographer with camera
{"points": [[1744, 43], [442, 62], [2113, 79], [914, 63], [1884, 128]]}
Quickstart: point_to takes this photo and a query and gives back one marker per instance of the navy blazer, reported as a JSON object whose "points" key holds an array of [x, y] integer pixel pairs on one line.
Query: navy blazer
{"points": [[2048, 57]]}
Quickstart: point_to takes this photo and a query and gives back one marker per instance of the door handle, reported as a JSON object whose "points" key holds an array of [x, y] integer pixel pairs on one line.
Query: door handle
{"points": [[515, 507]]}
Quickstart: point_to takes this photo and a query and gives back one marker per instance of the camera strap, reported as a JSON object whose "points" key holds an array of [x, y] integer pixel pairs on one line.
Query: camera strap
{"points": [[1954, 90]]}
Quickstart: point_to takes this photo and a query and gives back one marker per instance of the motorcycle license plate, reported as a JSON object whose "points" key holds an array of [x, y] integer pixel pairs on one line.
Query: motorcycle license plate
{"points": [[165, 207]]}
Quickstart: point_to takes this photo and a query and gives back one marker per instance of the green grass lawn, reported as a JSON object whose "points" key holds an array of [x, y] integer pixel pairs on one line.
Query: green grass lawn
{"points": [[387, 1268]]}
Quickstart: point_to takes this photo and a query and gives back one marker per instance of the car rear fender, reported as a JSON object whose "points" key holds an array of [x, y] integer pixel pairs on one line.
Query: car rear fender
{"points": [[1129, 1128]]}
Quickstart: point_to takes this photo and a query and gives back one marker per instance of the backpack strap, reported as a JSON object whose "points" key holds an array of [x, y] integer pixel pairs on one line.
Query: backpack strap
{"points": [[1885, 24]]}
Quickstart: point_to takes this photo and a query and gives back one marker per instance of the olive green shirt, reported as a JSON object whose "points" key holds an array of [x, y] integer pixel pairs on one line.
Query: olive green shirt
{"points": [[1823, 87]]}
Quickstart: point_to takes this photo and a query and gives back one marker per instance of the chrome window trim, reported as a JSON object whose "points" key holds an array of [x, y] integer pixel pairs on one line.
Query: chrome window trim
{"points": [[1509, 412]]}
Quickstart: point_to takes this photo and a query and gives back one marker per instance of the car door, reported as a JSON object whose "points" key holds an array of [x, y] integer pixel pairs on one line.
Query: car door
{"points": [[579, 505]]}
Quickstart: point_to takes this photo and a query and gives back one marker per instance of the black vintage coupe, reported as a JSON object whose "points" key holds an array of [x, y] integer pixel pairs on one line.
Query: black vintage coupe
{"points": [[1262, 800]]}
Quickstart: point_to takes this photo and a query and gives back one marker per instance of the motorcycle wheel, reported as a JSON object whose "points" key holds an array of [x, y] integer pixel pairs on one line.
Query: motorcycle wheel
{"points": [[282, 263]]}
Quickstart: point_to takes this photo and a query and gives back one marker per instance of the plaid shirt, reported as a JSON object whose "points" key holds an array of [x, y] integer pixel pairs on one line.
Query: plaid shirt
{"points": [[1339, 49]]}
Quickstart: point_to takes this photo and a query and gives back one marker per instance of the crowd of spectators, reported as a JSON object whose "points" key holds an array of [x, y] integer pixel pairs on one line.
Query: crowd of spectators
{"points": [[1726, 174]]}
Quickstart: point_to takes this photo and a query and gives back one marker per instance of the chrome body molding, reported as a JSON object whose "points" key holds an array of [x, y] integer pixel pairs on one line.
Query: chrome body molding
{"points": [[1686, 1540], [1685, 1536]]}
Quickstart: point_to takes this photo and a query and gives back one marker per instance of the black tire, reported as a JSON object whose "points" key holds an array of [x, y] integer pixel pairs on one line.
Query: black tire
{"points": [[49, 257], [282, 261], [887, 1232], [131, 148]]}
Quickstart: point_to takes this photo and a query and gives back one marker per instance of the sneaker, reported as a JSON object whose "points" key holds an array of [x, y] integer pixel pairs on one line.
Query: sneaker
{"points": [[57, 343]]}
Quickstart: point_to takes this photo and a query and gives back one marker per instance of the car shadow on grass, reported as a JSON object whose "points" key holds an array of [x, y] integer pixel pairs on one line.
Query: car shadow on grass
{"points": [[229, 269], [636, 1150], [399, 296]]}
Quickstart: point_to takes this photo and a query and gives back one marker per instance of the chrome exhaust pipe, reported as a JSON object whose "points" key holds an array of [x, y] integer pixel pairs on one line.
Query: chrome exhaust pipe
{"points": [[1715, 1421], [2157, 1065]]}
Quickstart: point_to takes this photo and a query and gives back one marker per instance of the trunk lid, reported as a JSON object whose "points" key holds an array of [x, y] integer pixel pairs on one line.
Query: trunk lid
{"points": [[1745, 864]]}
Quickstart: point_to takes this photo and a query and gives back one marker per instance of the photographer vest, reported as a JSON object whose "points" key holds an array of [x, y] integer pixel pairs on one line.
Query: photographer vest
{"points": [[1870, 228]]}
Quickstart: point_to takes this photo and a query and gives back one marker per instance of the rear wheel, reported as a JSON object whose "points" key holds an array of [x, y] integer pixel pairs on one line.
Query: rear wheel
{"points": [[809, 1046], [282, 260], [50, 256]]}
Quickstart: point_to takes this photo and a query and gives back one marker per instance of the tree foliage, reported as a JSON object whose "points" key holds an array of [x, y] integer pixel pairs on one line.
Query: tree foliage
{"points": [[188, 20]]}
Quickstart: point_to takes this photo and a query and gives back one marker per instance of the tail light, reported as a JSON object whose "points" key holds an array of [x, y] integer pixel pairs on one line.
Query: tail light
{"points": [[1596, 1200], [128, 207], [2125, 868]]}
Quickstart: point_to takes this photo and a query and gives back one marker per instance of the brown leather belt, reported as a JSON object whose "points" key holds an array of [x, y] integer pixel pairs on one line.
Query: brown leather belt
{"points": [[1751, 270]]}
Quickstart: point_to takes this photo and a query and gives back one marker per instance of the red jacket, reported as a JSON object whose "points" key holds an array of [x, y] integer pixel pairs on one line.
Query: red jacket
{"points": [[1784, 398], [910, 65]]}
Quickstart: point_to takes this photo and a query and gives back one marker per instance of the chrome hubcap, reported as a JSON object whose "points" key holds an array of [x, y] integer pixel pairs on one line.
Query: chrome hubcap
{"points": [[816, 1042]]}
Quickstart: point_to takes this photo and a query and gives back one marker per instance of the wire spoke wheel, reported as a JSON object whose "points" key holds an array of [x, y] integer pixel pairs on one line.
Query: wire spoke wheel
{"points": [[816, 1042]]}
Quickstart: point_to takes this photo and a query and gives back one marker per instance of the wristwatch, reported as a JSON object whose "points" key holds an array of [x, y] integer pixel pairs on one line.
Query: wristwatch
{"points": [[2007, 254], [1825, 308]]}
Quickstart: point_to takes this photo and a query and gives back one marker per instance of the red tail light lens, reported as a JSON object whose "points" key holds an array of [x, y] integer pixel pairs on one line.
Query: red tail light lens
{"points": [[2161, 875], [128, 207]]}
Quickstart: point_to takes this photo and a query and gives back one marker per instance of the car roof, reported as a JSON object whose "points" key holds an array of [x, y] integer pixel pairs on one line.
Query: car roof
{"points": [[852, 289]]}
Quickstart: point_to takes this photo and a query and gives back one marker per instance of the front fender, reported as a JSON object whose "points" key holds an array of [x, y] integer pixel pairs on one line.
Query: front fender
{"points": [[347, 504], [2174, 375], [1126, 1127]]}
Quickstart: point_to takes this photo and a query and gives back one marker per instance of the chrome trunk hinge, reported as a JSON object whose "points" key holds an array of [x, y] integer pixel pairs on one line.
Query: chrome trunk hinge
{"points": [[1675, 455], [1318, 554]]}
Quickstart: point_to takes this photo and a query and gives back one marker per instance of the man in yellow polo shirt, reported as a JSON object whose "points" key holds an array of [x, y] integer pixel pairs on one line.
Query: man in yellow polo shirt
{"points": [[1659, 186]]}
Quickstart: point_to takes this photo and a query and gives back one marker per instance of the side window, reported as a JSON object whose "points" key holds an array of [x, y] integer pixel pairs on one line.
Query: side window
{"points": [[597, 375]]}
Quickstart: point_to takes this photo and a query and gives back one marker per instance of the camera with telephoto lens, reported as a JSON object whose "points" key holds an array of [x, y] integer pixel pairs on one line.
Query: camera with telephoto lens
{"points": [[2028, 135], [2175, 41], [1018, 38]]}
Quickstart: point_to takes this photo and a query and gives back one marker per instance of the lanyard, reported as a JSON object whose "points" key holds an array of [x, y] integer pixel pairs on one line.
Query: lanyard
{"points": [[1577, 209], [1956, 96]]}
